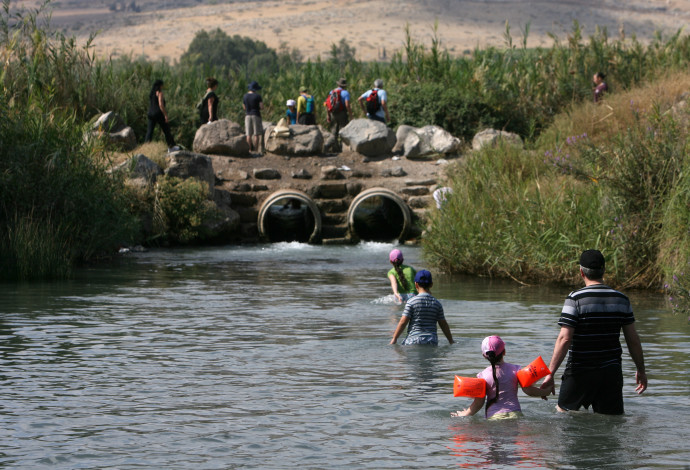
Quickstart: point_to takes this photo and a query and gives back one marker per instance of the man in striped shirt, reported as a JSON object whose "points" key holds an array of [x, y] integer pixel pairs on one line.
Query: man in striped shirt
{"points": [[591, 321]]}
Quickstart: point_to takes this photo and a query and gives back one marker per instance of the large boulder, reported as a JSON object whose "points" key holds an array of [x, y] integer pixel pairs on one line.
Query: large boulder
{"points": [[221, 137], [428, 141], [185, 165], [401, 135], [224, 222], [141, 169], [330, 144], [111, 127], [368, 137], [492, 137], [299, 140]]}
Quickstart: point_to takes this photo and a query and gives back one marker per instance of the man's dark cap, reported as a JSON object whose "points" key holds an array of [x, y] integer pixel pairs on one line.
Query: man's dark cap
{"points": [[592, 259]]}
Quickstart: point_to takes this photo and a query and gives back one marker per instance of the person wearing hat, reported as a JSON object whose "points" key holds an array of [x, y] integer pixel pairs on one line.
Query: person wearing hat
{"points": [[253, 126], [306, 107], [591, 322], [374, 103], [340, 115], [501, 385], [291, 112], [421, 314], [401, 277]]}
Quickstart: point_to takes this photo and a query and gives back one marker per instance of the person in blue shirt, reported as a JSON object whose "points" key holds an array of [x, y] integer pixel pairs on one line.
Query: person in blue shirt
{"points": [[291, 112]]}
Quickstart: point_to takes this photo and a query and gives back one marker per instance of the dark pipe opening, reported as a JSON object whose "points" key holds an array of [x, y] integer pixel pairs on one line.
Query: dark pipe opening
{"points": [[378, 218], [289, 220]]}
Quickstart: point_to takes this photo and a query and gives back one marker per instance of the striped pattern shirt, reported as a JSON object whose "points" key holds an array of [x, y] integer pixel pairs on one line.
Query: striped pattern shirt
{"points": [[597, 313], [424, 312]]}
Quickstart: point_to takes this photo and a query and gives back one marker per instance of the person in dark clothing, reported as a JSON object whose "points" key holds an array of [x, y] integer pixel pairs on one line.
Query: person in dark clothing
{"points": [[208, 112], [157, 114], [253, 104]]}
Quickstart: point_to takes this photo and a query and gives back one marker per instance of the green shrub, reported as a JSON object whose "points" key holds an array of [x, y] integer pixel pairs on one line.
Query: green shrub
{"points": [[180, 208]]}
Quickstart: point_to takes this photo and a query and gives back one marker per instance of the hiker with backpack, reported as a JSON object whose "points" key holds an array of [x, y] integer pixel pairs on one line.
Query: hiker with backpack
{"points": [[338, 106], [374, 102], [306, 108], [208, 106]]}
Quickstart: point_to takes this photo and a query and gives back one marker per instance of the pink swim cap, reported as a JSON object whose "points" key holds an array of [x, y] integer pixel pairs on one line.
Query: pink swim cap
{"points": [[493, 343], [396, 255]]}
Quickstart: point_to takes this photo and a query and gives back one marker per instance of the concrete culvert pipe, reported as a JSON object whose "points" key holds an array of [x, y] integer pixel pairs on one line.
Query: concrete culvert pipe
{"points": [[379, 214], [289, 216]]}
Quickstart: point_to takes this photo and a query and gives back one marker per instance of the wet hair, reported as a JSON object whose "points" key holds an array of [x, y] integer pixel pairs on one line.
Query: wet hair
{"points": [[600, 75], [493, 359], [211, 82], [401, 277], [157, 85]]}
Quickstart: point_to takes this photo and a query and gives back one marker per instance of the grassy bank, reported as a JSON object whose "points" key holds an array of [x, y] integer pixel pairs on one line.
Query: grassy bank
{"points": [[612, 176]]}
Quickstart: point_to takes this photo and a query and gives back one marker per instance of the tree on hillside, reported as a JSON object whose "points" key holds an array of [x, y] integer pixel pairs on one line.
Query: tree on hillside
{"points": [[216, 48]]}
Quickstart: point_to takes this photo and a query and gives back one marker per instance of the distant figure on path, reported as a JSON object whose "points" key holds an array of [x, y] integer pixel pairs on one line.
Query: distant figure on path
{"points": [[600, 86], [422, 313], [591, 322], [338, 106], [306, 107], [157, 114], [374, 103], [253, 104], [208, 109]]}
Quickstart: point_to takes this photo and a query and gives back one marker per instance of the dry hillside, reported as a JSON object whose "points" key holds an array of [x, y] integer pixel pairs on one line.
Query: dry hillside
{"points": [[164, 28]]}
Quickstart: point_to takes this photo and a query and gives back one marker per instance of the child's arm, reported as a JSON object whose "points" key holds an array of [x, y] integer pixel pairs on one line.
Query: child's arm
{"points": [[446, 331], [394, 286], [476, 405], [536, 391], [401, 326]]}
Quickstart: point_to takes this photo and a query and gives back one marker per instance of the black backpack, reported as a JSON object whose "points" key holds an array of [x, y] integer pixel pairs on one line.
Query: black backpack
{"points": [[373, 104]]}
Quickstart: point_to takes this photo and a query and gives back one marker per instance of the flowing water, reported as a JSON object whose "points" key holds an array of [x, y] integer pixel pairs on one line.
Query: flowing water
{"points": [[277, 356]]}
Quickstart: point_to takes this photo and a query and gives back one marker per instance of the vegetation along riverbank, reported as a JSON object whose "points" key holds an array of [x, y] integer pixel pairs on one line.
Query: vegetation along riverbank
{"points": [[612, 176]]}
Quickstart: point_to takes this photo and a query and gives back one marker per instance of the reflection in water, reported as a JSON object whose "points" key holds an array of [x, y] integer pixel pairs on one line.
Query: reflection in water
{"points": [[277, 356]]}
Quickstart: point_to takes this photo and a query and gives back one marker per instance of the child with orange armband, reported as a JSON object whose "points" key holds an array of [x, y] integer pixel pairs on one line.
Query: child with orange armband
{"points": [[501, 385]]}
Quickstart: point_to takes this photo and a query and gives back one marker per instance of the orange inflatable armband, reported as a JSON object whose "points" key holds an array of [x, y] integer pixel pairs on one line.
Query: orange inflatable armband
{"points": [[533, 372], [469, 387]]}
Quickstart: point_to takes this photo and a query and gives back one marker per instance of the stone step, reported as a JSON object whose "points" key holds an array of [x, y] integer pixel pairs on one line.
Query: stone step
{"points": [[334, 231], [337, 241]]}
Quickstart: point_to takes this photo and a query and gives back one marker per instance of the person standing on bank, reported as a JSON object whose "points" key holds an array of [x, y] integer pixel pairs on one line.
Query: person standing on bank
{"points": [[600, 86], [374, 103], [253, 126], [208, 110], [591, 321], [338, 106], [157, 114], [306, 108]]}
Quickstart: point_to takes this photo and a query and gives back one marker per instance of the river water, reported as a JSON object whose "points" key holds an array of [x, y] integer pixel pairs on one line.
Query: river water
{"points": [[277, 356]]}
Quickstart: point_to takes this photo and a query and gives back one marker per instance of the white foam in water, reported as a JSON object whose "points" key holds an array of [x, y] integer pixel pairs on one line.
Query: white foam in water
{"points": [[386, 300]]}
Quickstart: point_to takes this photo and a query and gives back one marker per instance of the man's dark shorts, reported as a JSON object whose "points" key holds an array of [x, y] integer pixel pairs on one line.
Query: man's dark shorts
{"points": [[601, 388]]}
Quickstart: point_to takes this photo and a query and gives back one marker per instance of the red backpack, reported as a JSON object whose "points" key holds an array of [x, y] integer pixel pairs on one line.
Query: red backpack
{"points": [[334, 102], [373, 104]]}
